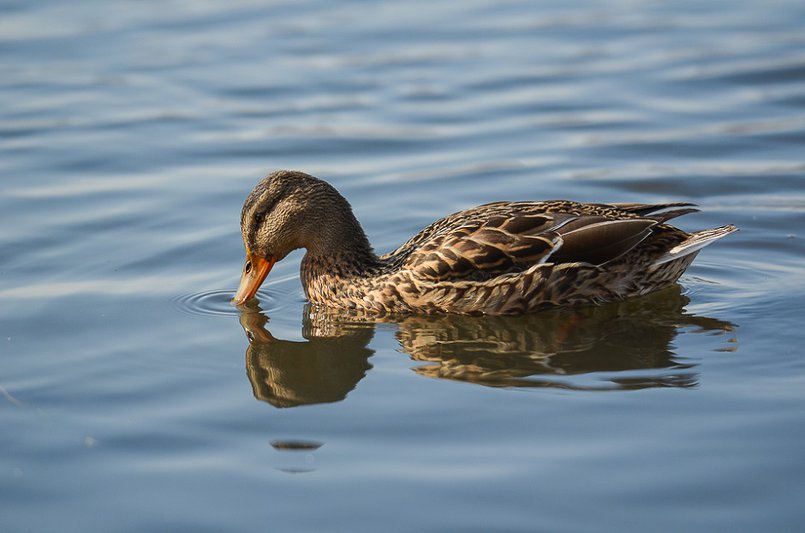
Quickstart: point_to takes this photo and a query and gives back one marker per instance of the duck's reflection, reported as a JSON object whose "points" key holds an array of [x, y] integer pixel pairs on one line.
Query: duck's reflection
{"points": [[628, 345], [622, 346], [321, 370]]}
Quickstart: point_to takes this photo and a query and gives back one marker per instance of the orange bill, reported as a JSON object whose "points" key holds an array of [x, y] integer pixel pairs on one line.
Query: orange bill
{"points": [[254, 272]]}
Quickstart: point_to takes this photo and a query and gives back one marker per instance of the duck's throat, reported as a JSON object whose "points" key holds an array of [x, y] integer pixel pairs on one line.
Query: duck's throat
{"points": [[338, 278]]}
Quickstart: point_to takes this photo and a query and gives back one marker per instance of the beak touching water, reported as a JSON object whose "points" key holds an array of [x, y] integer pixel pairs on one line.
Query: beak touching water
{"points": [[254, 272]]}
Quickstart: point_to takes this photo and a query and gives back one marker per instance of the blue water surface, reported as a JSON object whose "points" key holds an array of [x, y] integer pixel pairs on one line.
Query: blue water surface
{"points": [[134, 398]]}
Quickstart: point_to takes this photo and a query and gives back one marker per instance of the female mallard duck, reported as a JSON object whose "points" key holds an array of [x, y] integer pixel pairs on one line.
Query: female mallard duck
{"points": [[498, 258]]}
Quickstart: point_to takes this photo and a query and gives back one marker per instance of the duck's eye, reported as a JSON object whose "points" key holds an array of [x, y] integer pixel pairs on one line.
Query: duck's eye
{"points": [[248, 267]]}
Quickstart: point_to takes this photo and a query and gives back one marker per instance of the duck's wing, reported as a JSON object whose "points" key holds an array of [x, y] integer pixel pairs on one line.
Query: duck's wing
{"points": [[497, 239], [481, 249], [597, 241]]}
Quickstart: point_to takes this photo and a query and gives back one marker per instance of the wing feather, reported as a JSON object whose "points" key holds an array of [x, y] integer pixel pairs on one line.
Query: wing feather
{"points": [[486, 247], [505, 237], [602, 241]]}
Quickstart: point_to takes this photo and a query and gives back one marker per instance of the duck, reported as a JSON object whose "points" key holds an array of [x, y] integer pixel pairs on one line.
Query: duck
{"points": [[500, 258]]}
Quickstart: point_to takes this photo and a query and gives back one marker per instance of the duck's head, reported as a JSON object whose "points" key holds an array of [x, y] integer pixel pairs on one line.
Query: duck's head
{"points": [[285, 211]]}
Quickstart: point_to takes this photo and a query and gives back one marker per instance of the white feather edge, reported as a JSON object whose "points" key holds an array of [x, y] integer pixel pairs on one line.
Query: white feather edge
{"points": [[696, 242]]}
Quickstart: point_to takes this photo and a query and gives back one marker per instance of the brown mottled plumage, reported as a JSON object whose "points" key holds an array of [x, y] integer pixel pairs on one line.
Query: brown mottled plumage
{"points": [[498, 258]]}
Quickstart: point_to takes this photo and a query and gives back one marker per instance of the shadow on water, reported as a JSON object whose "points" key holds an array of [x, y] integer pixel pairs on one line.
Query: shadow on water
{"points": [[622, 346]]}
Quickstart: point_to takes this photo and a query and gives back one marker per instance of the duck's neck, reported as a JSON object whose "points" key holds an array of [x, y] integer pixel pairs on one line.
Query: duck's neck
{"points": [[341, 249]]}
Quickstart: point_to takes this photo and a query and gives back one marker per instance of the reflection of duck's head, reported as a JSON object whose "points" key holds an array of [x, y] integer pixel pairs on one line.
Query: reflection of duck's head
{"points": [[321, 370]]}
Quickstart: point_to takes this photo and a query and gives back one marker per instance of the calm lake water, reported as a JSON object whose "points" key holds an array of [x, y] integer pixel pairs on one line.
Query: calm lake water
{"points": [[134, 398]]}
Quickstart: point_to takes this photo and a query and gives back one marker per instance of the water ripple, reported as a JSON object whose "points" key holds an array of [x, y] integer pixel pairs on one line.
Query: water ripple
{"points": [[219, 302]]}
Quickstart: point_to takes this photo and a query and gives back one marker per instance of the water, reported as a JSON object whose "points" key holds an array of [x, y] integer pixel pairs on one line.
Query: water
{"points": [[134, 398]]}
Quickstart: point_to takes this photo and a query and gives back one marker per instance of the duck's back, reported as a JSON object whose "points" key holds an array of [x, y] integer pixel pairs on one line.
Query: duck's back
{"points": [[511, 257], [498, 238]]}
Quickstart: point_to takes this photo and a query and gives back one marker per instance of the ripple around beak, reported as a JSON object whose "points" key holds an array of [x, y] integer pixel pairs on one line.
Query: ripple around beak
{"points": [[219, 302]]}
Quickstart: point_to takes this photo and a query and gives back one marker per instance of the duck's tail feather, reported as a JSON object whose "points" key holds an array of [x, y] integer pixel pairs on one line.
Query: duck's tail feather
{"points": [[694, 243]]}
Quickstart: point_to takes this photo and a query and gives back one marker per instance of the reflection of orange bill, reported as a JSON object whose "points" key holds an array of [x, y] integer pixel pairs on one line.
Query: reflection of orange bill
{"points": [[254, 272], [253, 323]]}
